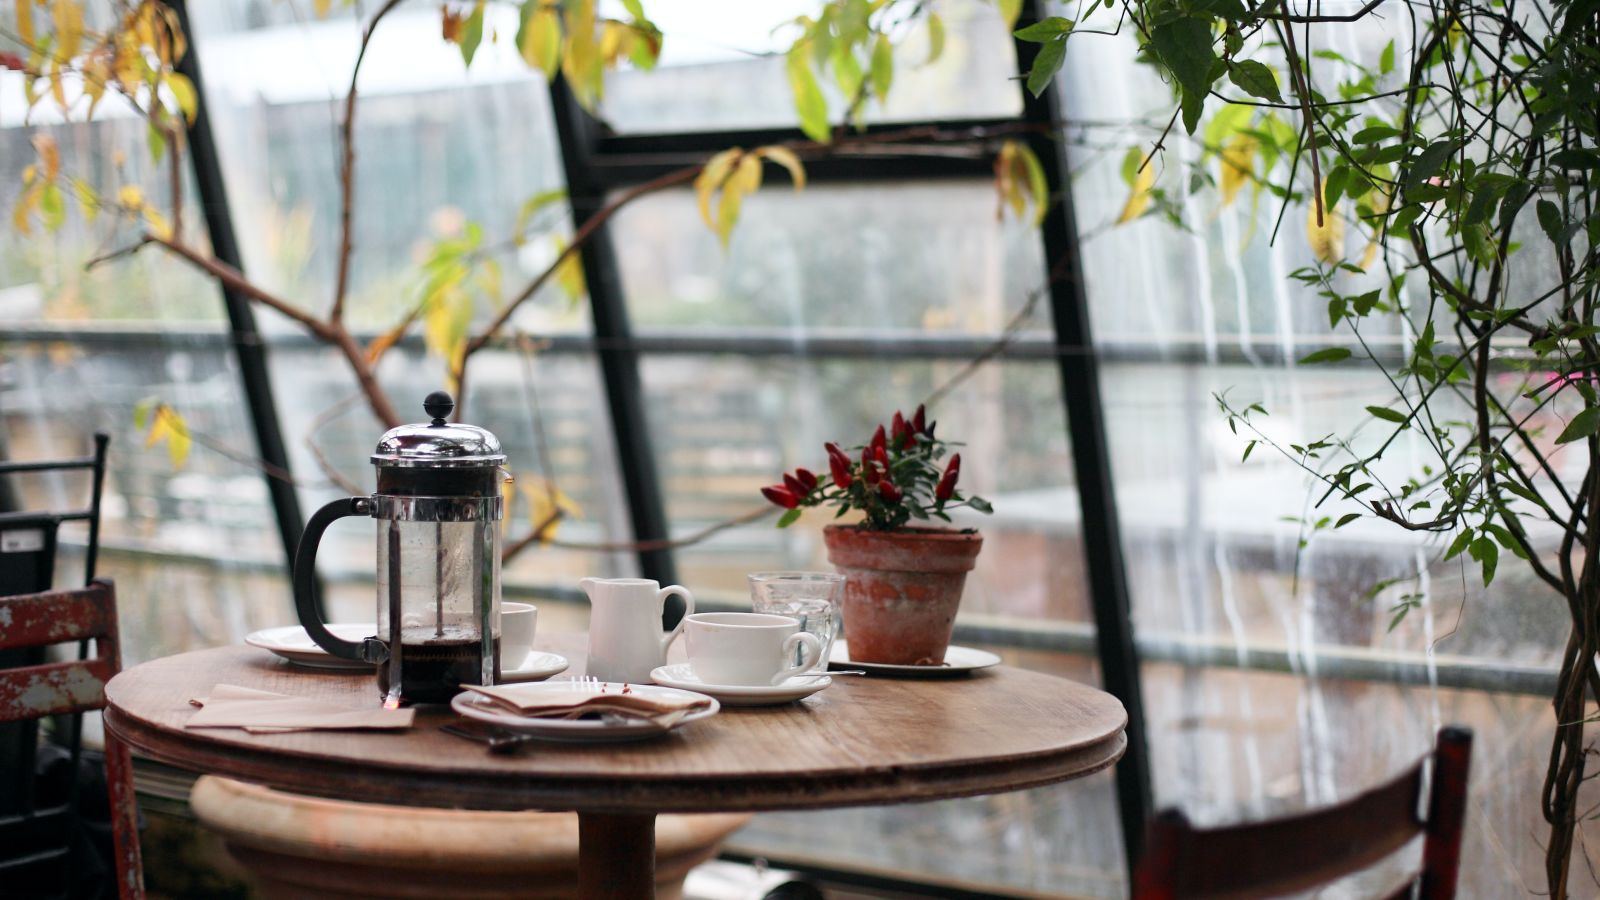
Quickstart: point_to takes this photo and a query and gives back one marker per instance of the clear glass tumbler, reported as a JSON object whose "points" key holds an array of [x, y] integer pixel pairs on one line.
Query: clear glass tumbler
{"points": [[812, 597]]}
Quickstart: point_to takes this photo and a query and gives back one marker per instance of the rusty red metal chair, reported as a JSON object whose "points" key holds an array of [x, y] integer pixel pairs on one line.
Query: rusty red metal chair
{"points": [[1299, 852], [58, 688]]}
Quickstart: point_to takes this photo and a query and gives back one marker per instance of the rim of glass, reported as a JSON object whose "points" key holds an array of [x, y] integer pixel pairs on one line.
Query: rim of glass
{"points": [[795, 575]]}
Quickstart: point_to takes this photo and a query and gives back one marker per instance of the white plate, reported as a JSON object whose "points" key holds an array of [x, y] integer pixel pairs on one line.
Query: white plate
{"points": [[537, 667], [957, 661], [292, 643], [681, 676], [476, 706]]}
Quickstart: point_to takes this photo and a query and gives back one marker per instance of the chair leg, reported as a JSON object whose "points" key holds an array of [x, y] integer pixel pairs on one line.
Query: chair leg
{"points": [[124, 820]]}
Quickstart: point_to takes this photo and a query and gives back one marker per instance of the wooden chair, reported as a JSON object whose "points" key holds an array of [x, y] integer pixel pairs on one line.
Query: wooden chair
{"points": [[1296, 853], [48, 689]]}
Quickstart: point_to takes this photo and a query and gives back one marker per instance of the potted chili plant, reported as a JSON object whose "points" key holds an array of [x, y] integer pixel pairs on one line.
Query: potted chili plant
{"points": [[904, 572]]}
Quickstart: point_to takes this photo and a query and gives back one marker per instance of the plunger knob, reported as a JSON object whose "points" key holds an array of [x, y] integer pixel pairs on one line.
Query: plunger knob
{"points": [[438, 405]]}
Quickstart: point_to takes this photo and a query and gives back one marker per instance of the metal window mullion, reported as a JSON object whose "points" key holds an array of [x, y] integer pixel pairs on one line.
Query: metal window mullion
{"points": [[614, 349], [1080, 391], [249, 348]]}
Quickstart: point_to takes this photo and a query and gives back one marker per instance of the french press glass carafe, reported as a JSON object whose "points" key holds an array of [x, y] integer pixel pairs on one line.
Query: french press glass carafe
{"points": [[438, 508]]}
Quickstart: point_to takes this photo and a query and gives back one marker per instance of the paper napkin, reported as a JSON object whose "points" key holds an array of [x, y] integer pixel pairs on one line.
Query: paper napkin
{"points": [[264, 712]]}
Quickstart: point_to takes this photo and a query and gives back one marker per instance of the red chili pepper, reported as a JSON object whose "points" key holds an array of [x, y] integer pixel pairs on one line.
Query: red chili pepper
{"points": [[807, 479], [897, 430], [888, 491], [869, 466], [839, 465], [794, 485], [919, 420], [947, 481], [780, 496], [881, 456], [879, 439]]}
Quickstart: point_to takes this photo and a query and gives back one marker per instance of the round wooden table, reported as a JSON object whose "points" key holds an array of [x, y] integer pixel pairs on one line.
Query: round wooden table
{"points": [[861, 741]]}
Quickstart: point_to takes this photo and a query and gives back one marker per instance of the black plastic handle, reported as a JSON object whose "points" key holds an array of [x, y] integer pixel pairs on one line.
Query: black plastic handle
{"points": [[305, 576]]}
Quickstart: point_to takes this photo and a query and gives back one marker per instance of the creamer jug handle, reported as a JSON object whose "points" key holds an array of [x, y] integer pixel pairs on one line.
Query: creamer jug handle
{"points": [[661, 608]]}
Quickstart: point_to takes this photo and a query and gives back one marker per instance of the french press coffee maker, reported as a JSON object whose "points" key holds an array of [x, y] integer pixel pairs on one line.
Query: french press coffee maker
{"points": [[438, 508]]}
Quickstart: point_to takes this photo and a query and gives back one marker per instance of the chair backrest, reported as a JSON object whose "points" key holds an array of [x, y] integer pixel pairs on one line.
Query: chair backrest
{"points": [[1295, 853], [55, 617]]}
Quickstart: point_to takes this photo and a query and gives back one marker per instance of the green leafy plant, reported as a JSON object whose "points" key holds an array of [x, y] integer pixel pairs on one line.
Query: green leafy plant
{"points": [[893, 479], [1463, 158]]}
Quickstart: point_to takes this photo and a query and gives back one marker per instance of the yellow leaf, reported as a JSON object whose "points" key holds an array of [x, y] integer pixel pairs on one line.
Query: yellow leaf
{"points": [[581, 63], [88, 200], [381, 344], [935, 37], [96, 72], [49, 155], [25, 22], [540, 40], [548, 506], [444, 326], [710, 180], [57, 89], [177, 436], [68, 17], [158, 428], [728, 214], [1139, 194], [746, 177], [570, 273], [1238, 166], [785, 157], [156, 222], [183, 92], [321, 8], [1327, 239], [1009, 10], [21, 212], [1038, 185], [615, 40], [130, 197]]}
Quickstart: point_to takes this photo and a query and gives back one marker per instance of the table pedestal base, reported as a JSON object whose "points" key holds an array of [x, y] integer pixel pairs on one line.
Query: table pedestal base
{"points": [[616, 856]]}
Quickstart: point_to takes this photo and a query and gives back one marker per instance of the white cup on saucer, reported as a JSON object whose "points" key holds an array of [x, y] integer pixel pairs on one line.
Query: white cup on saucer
{"points": [[747, 649], [517, 623]]}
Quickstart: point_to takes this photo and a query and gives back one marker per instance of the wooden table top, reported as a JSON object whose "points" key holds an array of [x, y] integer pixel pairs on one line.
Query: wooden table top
{"points": [[861, 741]]}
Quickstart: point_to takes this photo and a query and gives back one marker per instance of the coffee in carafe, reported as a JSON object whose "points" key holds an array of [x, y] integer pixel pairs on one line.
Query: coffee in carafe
{"points": [[438, 508]]}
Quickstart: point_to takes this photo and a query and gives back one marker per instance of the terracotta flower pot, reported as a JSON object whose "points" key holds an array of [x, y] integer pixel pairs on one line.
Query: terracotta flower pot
{"points": [[902, 589]]}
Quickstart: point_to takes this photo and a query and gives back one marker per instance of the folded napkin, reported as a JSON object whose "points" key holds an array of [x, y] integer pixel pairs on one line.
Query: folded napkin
{"points": [[581, 701], [265, 712]]}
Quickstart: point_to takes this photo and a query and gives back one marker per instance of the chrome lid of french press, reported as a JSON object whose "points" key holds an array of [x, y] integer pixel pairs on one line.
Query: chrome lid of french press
{"points": [[438, 444]]}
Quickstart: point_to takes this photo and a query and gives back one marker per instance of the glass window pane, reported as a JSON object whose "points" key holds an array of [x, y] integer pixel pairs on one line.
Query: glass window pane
{"points": [[442, 154], [874, 260], [727, 425], [722, 68]]}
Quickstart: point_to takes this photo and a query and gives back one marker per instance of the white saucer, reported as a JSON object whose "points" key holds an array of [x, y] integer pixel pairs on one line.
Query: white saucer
{"points": [[292, 643], [681, 676], [537, 667], [481, 708], [957, 661]]}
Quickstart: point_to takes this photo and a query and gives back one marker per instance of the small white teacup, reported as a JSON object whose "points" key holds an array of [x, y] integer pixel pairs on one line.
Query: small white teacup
{"points": [[517, 624], [747, 649]]}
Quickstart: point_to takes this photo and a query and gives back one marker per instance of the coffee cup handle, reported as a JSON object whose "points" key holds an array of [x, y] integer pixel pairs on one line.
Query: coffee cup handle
{"points": [[688, 610], [808, 660]]}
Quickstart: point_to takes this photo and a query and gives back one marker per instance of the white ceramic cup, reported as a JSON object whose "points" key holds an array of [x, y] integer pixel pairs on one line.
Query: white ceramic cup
{"points": [[517, 623], [747, 649]]}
